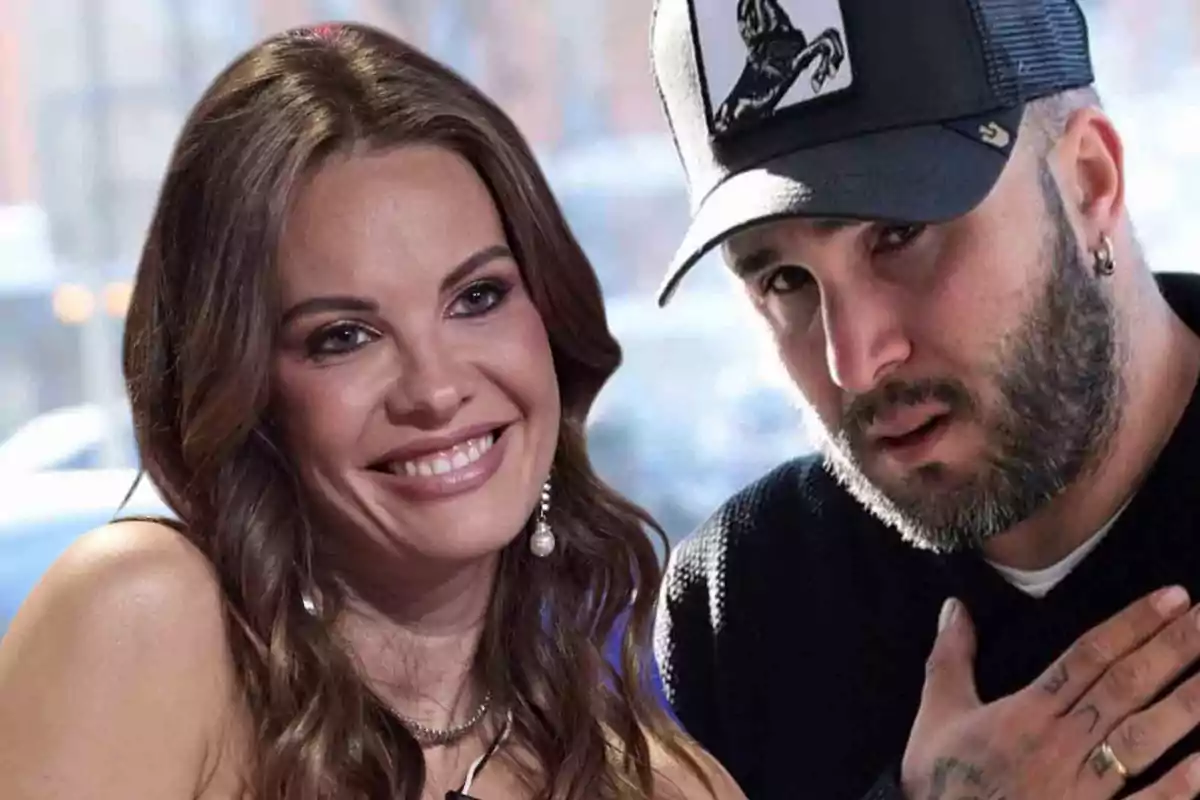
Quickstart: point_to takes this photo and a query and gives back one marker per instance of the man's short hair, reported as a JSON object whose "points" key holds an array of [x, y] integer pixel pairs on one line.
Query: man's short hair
{"points": [[1047, 117]]}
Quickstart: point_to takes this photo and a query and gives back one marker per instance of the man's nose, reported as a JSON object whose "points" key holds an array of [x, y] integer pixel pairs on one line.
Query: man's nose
{"points": [[865, 336]]}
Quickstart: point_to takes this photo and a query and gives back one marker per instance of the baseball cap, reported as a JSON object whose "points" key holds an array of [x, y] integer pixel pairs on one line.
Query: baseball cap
{"points": [[904, 111]]}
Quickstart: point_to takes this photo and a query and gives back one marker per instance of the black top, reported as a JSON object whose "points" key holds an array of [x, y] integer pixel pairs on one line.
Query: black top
{"points": [[795, 626]]}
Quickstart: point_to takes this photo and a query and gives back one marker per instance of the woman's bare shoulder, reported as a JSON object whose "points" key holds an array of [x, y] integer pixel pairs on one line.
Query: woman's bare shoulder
{"points": [[680, 780], [131, 577], [118, 665]]}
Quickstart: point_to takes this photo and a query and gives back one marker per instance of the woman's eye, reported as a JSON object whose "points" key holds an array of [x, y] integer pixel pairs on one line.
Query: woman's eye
{"points": [[897, 237], [479, 298], [339, 338], [785, 280]]}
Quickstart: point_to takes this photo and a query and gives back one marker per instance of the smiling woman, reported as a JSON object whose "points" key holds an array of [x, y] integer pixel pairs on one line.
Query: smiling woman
{"points": [[421, 373], [360, 352]]}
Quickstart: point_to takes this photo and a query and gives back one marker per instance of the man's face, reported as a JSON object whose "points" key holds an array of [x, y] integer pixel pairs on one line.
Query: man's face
{"points": [[958, 376]]}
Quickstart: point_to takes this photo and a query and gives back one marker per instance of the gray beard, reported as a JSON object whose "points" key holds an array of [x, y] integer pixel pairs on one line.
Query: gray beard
{"points": [[1060, 390]]}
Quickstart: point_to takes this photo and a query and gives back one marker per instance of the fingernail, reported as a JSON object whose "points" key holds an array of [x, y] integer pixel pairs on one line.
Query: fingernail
{"points": [[1169, 600], [947, 613], [1193, 773]]}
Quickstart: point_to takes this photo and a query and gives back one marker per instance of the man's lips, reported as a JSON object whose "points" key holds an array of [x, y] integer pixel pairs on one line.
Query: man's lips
{"points": [[912, 440], [903, 423]]}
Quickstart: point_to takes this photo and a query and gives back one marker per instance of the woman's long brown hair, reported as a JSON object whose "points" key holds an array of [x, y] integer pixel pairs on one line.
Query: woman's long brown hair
{"points": [[198, 348]]}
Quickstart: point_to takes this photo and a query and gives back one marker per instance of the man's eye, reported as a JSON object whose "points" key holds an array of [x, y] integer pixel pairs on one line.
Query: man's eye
{"points": [[784, 280], [897, 237]]}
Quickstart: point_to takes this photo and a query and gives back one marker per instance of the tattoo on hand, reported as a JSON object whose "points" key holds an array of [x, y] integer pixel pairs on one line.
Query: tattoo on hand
{"points": [[1093, 712], [941, 776], [1057, 680], [941, 786]]}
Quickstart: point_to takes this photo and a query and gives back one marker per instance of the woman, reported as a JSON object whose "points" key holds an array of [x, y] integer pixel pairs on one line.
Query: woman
{"points": [[360, 352]]}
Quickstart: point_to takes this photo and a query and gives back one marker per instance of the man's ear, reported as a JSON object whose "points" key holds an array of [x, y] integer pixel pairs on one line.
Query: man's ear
{"points": [[1090, 161]]}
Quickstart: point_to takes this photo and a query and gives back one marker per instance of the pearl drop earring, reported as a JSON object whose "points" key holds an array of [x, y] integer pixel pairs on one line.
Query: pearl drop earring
{"points": [[542, 542]]}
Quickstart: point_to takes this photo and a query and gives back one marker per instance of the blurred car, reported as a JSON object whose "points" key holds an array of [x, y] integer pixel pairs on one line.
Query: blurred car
{"points": [[690, 416], [84, 436]]}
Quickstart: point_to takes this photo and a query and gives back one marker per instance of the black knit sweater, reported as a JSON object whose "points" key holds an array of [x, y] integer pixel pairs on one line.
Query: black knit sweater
{"points": [[795, 626]]}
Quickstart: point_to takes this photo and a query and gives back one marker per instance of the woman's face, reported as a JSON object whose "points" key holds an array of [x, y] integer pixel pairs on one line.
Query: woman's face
{"points": [[413, 378]]}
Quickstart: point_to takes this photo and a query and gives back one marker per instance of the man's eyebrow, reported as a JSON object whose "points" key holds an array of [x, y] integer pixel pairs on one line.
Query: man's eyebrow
{"points": [[756, 260], [749, 264]]}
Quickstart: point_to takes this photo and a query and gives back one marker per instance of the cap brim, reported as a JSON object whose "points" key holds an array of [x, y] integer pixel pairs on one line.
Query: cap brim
{"points": [[925, 174]]}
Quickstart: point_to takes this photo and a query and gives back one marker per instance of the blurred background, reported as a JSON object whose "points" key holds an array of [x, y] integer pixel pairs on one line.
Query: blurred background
{"points": [[93, 92]]}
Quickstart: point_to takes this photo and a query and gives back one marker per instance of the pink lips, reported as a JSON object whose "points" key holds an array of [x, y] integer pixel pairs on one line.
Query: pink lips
{"points": [[449, 472]]}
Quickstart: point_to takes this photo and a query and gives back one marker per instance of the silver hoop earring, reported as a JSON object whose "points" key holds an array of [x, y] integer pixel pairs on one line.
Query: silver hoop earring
{"points": [[1104, 260], [542, 542]]}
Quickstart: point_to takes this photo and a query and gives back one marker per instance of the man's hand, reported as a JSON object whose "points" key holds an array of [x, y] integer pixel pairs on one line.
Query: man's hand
{"points": [[1045, 742]]}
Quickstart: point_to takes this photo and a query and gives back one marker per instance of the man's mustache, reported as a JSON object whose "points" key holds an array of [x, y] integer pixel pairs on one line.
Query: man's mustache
{"points": [[865, 408]]}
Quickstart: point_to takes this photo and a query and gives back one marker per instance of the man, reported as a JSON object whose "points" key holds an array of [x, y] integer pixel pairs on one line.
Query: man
{"points": [[929, 218]]}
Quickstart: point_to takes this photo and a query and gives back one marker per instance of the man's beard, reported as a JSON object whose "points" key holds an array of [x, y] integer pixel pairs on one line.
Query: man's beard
{"points": [[1059, 391]]}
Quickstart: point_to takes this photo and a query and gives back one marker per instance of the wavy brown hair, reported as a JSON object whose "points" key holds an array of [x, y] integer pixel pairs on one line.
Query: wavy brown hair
{"points": [[198, 346]]}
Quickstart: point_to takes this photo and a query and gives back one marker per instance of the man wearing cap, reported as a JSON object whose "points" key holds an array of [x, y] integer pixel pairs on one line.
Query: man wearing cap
{"points": [[925, 204]]}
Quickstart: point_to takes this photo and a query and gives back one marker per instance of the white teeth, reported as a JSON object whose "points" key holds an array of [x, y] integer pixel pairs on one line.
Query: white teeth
{"points": [[461, 456]]}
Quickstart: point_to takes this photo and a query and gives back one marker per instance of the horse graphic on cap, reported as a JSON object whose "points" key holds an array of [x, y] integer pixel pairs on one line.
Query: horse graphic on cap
{"points": [[778, 54]]}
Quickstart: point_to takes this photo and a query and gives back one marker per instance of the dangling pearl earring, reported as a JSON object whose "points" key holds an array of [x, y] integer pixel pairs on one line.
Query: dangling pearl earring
{"points": [[542, 542]]}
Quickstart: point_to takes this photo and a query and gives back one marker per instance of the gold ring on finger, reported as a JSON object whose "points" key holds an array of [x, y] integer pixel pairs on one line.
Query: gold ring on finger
{"points": [[1103, 759]]}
